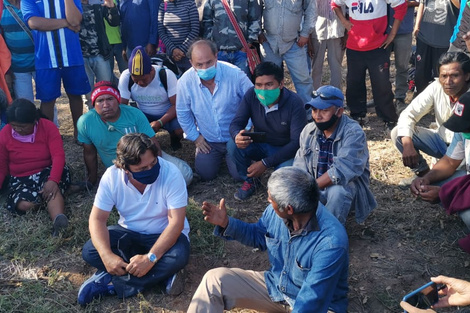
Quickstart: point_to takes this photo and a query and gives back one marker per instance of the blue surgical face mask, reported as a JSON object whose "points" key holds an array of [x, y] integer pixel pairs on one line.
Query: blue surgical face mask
{"points": [[149, 176], [208, 73]]}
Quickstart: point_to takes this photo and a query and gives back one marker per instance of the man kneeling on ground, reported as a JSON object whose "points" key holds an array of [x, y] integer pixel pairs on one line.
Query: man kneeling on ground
{"points": [[150, 244], [307, 247]]}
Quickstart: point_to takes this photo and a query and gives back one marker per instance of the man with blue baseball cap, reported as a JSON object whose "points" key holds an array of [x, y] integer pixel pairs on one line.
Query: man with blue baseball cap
{"points": [[333, 149]]}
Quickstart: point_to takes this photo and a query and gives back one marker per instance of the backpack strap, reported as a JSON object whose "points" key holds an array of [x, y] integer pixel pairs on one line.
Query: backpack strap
{"points": [[161, 75], [163, 78]]}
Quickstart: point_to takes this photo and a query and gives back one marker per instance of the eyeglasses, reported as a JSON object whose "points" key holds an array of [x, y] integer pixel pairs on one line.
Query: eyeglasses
{"points": [[316, 94]]}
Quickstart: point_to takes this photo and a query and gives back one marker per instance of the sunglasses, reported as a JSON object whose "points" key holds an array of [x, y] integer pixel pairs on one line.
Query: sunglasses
{"points": [[325, 97]]}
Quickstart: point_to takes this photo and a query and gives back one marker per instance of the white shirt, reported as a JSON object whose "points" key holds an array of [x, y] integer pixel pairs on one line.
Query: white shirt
{"points": [[433, 98], [152, 99], [145, 213]]}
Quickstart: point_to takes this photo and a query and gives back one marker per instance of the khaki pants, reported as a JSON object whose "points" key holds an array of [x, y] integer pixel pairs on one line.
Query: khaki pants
{"points": [[226, 288]]}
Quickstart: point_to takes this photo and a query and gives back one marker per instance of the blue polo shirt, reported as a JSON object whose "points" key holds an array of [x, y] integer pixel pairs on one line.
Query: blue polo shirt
{"points": [[54, 49]]}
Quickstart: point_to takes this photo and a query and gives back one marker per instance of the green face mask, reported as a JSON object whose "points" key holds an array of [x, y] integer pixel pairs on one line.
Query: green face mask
{"points": [[466, 136], [267, 96]]}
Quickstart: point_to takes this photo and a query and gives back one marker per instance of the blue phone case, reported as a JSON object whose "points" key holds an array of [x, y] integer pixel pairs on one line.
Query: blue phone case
{"points": [[413, 293]]}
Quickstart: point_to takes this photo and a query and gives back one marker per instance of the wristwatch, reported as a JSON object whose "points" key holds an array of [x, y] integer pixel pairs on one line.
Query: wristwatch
{"points": [[152, 257]]}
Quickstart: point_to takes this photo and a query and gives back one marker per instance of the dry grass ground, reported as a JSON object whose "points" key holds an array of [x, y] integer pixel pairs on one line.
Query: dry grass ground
{"points": [[403, 243]]}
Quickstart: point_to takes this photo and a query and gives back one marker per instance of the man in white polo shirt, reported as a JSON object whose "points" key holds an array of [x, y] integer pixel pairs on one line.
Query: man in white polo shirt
{"points": [[150, 243]]}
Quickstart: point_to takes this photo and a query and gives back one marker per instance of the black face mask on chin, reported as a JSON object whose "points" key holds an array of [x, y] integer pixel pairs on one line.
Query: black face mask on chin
{"points": [[326, 125]]}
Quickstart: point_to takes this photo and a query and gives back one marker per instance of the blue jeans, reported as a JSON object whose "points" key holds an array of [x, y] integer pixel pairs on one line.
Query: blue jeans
{"points": [[338, 200], [237, 58], [207, 164], [23, 85], [170, 126], [126, 243], [254, 152], [297, 64], [97, 69], [424, 140]]}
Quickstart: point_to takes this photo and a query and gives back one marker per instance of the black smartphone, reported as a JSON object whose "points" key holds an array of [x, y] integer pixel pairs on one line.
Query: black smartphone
{"points": [[256, 136], [423, 297]]}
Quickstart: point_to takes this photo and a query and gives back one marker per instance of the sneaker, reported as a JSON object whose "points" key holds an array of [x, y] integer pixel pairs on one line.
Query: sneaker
{"points": [[246, 190], [400, 105], [60, 222], [175, 284], [94, 287]]}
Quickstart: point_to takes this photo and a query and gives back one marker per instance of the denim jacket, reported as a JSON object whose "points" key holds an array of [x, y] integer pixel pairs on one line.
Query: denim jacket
{"points": [[308, 270], [350, 161]]}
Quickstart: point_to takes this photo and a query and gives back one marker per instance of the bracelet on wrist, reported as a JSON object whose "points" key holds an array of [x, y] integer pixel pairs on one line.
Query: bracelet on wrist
{"points": [[161, 123]]}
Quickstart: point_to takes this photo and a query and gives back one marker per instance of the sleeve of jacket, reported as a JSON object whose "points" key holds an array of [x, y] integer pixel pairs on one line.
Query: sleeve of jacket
{"points": [[310, 17], [416, 110], [162, 31], [249, 234], [399, 8], [112, 16], [297, 123], [207, 20], [243, 114], [352, 157], [4, 157], [183, 111], [56, 149], [254, 20], [153, 34], [299, 160], [194, 32]]}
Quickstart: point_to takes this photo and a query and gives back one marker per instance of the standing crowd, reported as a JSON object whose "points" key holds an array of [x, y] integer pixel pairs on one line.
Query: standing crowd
{"points": [[193, 70]]}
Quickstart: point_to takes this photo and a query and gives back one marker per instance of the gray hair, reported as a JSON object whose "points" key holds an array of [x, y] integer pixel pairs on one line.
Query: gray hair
{"points": [[295, 187], [206, 42]]}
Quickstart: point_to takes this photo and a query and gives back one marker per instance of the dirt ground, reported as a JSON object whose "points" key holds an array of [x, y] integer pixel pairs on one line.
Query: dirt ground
{"points": [[400, 246]]}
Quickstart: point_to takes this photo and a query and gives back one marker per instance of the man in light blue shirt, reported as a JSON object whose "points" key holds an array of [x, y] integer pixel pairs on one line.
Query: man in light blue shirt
{"points": [[208, 96]]}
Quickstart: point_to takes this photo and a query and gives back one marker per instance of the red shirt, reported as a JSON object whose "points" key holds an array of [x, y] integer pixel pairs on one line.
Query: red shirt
{"points": [[21, 159], [369, 19]]}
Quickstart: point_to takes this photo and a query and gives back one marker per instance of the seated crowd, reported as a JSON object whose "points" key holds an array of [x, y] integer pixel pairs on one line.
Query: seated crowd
{"points": [[318, 171]]}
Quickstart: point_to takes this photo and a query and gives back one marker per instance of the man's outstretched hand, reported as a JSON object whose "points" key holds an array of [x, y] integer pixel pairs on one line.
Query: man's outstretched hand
{"points": [[216, 215]]}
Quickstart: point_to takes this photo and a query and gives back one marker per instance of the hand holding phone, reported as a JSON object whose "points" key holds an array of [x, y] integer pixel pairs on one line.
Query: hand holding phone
{"points": [[423, 297], [256, 136]]}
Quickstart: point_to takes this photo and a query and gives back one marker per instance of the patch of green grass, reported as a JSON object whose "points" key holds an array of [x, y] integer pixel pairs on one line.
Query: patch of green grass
{"points": [[201, 235], [37, 296]]}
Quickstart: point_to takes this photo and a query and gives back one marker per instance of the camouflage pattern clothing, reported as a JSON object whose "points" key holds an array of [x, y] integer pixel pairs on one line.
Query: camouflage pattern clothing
{"points": [[217, 26]]}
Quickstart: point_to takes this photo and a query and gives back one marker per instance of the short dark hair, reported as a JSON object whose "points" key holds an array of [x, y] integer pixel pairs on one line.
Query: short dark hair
{"points": [[206, 42], [22, 111], [295, 187], [130, 149], [456, 57], [269, 68]]}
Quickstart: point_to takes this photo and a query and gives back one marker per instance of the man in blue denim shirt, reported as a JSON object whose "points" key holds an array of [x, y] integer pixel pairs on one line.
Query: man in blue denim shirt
{"points": [[307, 247], [334, 151]]}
